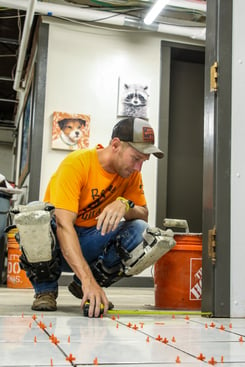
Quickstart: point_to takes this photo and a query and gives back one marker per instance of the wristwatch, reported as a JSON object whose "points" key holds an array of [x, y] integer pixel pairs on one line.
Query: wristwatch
{"points": [[129, 203]]}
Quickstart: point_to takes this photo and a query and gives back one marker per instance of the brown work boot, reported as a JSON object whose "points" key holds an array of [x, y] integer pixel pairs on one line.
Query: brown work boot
{"points": [[75, 289], [45, 301], [77, 292]]}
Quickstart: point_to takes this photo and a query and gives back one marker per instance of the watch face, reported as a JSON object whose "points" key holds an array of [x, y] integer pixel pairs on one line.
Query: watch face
{"points": [[131, 204]]}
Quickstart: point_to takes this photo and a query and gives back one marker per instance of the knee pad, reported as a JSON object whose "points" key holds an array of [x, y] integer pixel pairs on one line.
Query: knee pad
{"points": [[106, 276], [37, 240], [35, 234], [156, 243]]}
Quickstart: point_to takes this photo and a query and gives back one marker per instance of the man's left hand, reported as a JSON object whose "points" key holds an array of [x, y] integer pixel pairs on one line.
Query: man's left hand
{"points": [[110, 217]]}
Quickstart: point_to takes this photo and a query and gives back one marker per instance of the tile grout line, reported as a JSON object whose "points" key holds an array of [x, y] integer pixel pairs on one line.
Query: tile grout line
{"points": [[54, 340], [158, 338]]}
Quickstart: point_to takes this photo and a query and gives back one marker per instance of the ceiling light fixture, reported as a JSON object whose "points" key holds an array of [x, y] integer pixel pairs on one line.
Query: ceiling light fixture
{"points": [[155, 11]]}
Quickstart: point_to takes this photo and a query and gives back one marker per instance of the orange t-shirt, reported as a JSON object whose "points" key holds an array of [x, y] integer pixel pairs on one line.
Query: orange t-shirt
{"points": [[82, 186]]}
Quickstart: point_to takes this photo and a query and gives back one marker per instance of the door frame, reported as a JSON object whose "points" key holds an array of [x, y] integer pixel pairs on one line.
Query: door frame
{"points": [[217, 155], [217, 159]]}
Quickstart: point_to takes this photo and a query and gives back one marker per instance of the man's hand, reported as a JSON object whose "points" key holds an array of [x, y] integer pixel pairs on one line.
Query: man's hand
{"points": [[93, 293], [110, 217]]}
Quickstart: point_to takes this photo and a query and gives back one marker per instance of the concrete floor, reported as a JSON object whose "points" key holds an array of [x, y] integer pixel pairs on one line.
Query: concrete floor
{"points": [[18, 301]]}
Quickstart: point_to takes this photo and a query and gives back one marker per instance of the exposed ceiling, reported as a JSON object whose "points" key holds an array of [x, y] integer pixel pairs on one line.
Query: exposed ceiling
{"points": [[11, 24], [11, 30]]}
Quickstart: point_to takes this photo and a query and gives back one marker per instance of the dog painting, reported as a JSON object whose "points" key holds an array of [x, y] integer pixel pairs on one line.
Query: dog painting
{"points": [[70, 131], [133, 100]]}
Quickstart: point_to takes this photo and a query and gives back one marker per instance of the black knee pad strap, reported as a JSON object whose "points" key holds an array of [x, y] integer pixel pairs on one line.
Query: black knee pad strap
{"points": [[43, 271], [106, 276]]}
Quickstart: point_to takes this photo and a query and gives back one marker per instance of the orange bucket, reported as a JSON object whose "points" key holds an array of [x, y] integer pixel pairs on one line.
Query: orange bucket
{"points": [[178, 275], [16, 277]]}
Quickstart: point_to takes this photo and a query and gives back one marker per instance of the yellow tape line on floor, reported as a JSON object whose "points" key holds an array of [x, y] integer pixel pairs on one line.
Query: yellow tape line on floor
{"points": [[158, 312]]}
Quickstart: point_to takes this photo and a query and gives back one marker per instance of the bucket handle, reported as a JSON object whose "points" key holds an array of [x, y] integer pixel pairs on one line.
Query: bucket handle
{"points": [[176, 223]]}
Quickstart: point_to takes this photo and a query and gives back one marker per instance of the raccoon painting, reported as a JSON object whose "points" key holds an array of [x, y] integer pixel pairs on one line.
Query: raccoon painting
{"points": [[134, 100]]}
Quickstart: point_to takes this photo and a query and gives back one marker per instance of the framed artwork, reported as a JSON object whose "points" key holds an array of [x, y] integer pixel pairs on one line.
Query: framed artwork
{"points": [[24, 167], [70, 131], [133, 99]]}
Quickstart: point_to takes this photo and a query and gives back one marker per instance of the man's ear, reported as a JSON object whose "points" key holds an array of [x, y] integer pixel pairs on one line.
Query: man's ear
{"points": [[115, 143]]}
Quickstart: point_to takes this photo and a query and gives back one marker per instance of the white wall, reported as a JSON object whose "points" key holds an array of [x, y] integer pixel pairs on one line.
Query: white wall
{"points": [[237, 162], [7, 160], [84, 65]]}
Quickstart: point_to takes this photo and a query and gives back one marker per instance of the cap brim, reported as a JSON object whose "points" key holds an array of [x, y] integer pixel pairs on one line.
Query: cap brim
{"points": [[147, 149]]}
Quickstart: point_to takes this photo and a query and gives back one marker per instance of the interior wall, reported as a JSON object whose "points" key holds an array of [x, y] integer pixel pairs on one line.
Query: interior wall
{"points": [[83, 68], [237, 304], [84, 65], [7, 160]]}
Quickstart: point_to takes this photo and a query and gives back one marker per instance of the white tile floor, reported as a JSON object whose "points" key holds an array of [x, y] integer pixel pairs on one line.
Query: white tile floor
{"points": [[66, 338]]}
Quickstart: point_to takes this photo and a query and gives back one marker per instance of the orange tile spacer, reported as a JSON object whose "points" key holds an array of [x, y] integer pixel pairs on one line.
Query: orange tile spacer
{"points": [[70, 358], [35, 339], [135, 327], [42, 325], [34, 317], [212, 361], [173, 339], [230, 325], [222, 359], [165, 341], [241, 339], [177, 359], [129, 324], [187, 317], [222, 327], [117, 326], [159, 338], [54, 340], [212, 324], [173, 316], [201, 357], [206, 325], [95, 361], [147, 339], [51, 362], [141, 325], [113, 317], [69, 339]]}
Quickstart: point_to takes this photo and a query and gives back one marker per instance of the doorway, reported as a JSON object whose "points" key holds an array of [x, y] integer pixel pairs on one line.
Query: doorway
{"points": [[180, 173]]}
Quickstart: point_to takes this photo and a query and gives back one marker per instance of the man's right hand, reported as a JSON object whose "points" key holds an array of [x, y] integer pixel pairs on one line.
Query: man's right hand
{"points": [[96, 296]]}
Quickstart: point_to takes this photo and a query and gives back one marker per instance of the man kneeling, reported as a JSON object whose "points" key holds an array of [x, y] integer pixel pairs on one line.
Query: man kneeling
{"points": [[96, 223]]}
